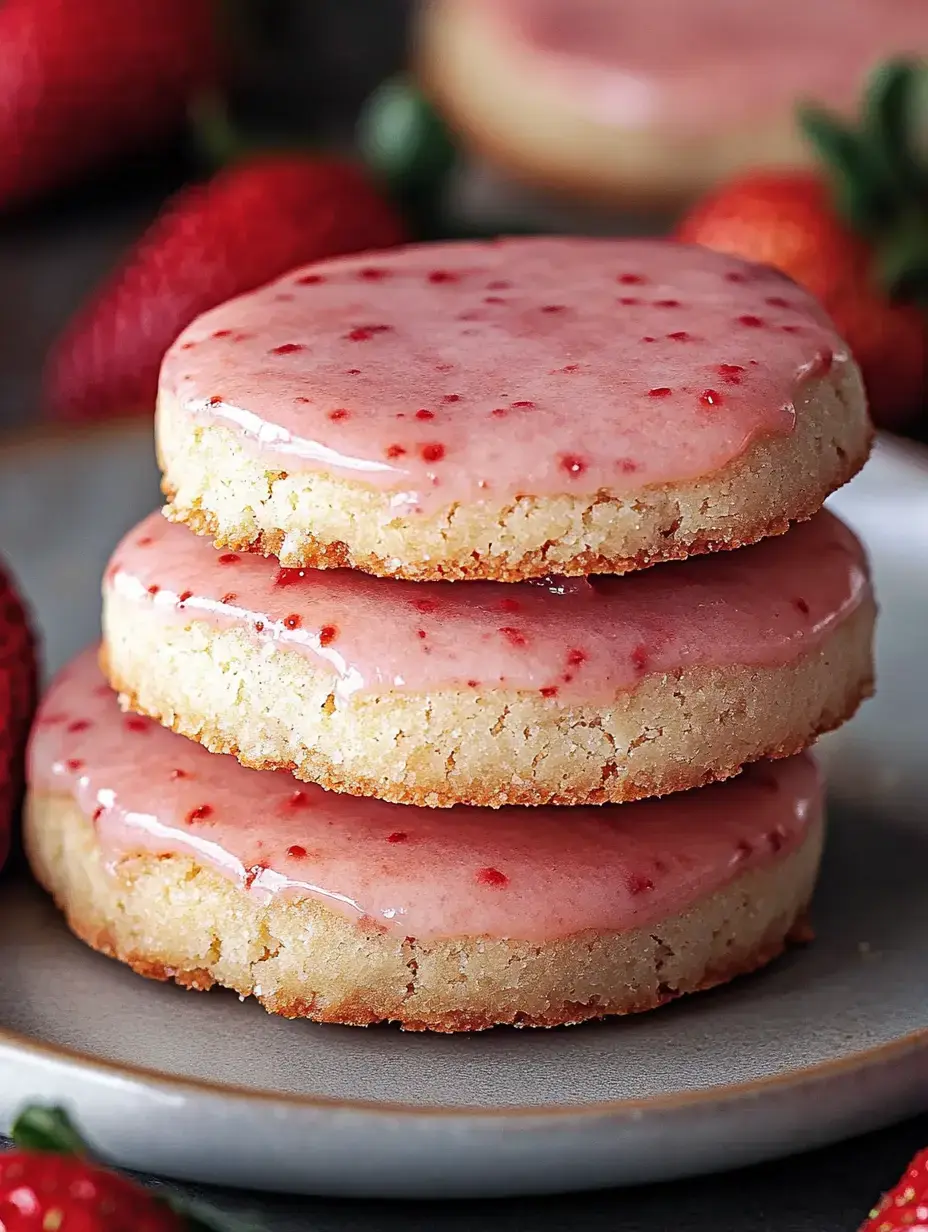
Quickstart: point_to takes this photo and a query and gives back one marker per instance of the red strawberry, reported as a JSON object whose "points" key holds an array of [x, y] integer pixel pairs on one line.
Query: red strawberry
{"points": [[17, 701], [51, 1185], [250, 224], [855, 234], [905, 1208], [83, 80]]}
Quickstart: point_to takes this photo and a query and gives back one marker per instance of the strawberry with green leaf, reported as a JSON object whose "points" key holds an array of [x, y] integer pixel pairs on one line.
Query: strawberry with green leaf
{"points": [[853, 230]]}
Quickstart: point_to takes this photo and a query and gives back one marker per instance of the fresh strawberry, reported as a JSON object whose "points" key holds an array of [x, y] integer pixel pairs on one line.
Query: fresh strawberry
{"points": [[83, 80], [904, 1208], [854, 233], [250, 224], [17, 701], [52, 1185]]}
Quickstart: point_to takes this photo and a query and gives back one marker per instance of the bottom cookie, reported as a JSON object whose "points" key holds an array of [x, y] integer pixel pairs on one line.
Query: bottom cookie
{"points": [[187, 866]]}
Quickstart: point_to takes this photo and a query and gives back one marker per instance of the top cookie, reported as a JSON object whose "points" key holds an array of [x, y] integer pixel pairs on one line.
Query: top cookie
{"points": [[508, 410]]}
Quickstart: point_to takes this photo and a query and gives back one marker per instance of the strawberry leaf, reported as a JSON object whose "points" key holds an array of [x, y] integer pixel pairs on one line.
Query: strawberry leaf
{"points": [[889, 108], [38, 1128], [861, 192]]}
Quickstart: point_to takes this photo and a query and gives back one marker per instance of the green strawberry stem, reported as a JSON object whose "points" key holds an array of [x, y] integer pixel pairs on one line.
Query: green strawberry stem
{"points": [[50, 1130], [878, 178]]}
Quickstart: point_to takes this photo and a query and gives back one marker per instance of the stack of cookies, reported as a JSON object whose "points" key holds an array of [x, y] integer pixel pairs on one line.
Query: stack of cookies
{"points": [[404, 579]]}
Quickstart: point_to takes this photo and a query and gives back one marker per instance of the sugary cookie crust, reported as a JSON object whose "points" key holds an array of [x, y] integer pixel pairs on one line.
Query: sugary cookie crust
{"points": [[169, 918], [218, 487], [269, 707]]}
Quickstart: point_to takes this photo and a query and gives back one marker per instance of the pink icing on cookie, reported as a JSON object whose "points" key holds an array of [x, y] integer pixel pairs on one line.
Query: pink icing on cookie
{"points": [[574, 639], [534, 360], [710, 65], [536, 874]]}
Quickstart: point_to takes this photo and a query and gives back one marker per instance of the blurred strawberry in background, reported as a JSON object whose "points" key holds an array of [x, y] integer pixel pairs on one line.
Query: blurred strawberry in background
{"points": [[855, 233], [83, 81], [251, 223]]}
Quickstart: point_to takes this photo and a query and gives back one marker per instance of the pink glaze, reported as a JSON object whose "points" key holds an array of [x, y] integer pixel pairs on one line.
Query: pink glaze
{"points": [[715, 64], [536, 874], [482, 372], [574, 639]]}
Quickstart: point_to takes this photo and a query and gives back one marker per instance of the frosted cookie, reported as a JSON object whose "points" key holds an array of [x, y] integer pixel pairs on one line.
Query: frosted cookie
{"points": [[191, 867], [509, 410], [650, 104], [570, 691]]}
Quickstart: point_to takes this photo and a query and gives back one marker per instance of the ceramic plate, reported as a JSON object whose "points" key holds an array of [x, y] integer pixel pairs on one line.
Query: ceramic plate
{"points": [[831, 1041]]}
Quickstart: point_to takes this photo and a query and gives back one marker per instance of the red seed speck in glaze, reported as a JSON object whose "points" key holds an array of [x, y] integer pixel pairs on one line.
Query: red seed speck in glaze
{"points": [[451, 398], [229, 558], [327, 635], [286, 348], [339, 413], [259, 626], [74, 763], [309, 280], [433, 452], [735, 276], [184, 596], [666, 303], [710, 397], [229, 597], [777, 301], [286, 577], [352, 372], [731, 373], [424, 413], [373, 273], [493, 299], [473, 684], [801, 606], [631, 280], [178, 774], [398, 836], [637, 884], [153, 590], [296, 852], [222, 333], [680, 335], [297, 799], [491, 877], [628, 300], [750, 321], [293, 621], [627, 465], [440, 275], [214, 400], [135, 723], [662, 391], [98, 813], [421, 633], [515, 637], [554, 308], [648, 338], [395, 451], [576, 657], [252, 874], [187, 346], [499, 412], [145, 541], [199, 813], [572, 464], [364, 333], [524, 404], [79, 725], [549, 690]]}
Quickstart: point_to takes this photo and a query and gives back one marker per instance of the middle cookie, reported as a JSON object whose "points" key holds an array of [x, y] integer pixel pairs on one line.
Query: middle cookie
{"points": [[560, 691]]}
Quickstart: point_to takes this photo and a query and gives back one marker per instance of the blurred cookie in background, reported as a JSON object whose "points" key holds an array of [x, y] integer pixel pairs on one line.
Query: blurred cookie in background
{"points": [[648, 104]]}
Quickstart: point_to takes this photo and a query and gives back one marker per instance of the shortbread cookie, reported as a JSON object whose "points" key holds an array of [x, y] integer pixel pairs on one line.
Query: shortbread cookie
{"points": [[188, 866], [573, 691], [650, 103], [509, 410]]}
